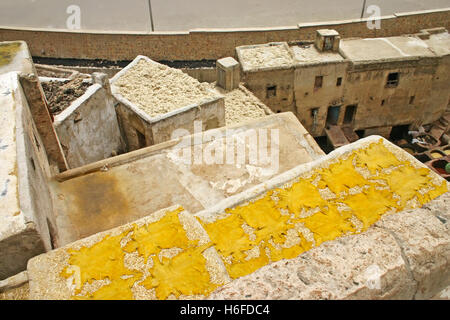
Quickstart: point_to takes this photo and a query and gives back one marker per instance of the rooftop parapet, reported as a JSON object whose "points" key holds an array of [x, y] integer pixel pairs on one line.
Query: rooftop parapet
{"points": [[385, 49]]}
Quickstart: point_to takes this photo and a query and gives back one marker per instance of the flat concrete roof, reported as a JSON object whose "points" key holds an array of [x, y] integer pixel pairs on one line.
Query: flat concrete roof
{"points": [[439, 43], [308, 54], [265, 56], [140, 182], [15, 56], [390, 48]]}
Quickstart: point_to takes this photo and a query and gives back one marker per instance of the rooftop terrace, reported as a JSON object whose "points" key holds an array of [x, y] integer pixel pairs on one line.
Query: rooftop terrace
{"points": [[391, 48]]}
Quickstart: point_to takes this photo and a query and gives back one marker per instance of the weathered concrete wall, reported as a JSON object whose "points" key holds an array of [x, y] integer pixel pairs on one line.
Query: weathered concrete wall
{"points": [[127, 187], [27, 227], [33, 161], [259, 83], [202, 74], [440, 85], [88, 129], [44, 121], [209, 44], [211, 114], [308, 98], [131, 124], [380, 106]]}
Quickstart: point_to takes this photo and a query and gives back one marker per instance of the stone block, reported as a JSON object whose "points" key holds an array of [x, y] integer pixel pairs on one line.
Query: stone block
{"points": [[25, 205], [364, 266], [425, 243], [228, 73], [327, 40], [166, 255]]}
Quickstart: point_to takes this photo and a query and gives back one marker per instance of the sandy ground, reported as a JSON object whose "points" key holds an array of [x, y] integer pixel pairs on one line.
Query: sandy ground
{"points": [[266, 56], [240, 105], [133, 15], [20, 293], [158, 89]]}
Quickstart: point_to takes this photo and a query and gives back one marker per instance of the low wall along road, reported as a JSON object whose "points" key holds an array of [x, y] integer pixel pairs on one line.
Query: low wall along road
{"points": [[209, 44]]}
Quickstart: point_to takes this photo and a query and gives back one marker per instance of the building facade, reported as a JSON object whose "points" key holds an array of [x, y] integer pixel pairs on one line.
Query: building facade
{"points": [[367, 86]]}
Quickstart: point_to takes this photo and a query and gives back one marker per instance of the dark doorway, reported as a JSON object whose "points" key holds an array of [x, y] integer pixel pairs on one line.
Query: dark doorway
{"points": [[141, 140], [349, 115], [324, 144], [399, 132], [333, 115], [360, 133]]}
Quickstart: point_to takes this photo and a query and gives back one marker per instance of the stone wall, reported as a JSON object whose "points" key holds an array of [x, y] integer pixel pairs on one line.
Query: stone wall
{"points": [[310, 100], [27, 227], [274, 87], [88, 129], [211, 114], [209, 44], [140, 131], [380, 106]]}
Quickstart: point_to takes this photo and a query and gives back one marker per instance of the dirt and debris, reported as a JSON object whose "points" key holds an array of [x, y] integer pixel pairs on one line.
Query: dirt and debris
{"points": [[60, 94], [241, 105]]}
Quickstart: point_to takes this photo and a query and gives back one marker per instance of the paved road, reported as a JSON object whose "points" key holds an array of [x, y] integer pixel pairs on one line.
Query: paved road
{"points": [[173, 15]]}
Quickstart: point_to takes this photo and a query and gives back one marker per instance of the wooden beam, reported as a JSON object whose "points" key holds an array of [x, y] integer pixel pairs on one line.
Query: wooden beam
{"points": [[43, 120]]}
